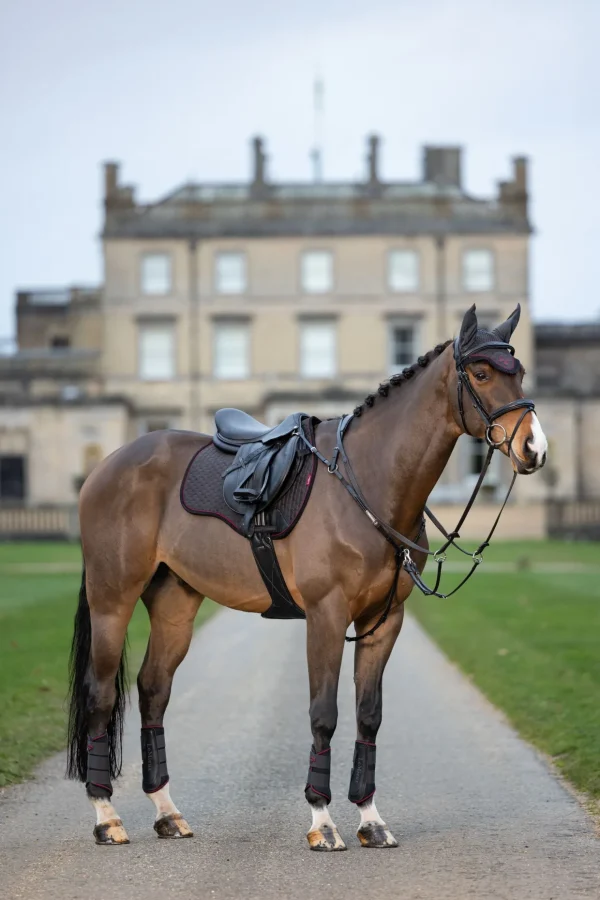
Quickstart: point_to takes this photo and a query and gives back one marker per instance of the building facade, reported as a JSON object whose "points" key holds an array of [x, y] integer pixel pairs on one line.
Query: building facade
{"points": [[279, 296], [268, 296]]}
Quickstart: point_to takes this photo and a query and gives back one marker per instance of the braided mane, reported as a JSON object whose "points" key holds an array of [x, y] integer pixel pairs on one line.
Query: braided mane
{"points": [[405, 375]]}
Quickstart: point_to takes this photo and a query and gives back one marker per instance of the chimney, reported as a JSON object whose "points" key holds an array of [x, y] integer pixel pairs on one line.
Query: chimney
{"points": [[442, 165], [259, 163], [520, 164], [111, 180], [373, 159], [116, 195]]}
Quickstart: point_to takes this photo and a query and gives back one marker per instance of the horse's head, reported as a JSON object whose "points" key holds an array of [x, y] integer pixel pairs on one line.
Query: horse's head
{"points": [[489, 402]]}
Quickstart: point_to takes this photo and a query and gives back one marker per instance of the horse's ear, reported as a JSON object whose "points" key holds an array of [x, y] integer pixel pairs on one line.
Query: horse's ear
{"points": [[468, 330], [505, 330]]}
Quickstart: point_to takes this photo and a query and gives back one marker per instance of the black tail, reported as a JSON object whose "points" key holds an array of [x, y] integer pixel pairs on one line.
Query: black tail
{"points": [[79, 697]]}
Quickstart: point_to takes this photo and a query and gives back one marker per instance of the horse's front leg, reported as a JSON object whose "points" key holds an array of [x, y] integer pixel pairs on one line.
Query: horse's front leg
{"points": [[326, 623], [370, 658]]}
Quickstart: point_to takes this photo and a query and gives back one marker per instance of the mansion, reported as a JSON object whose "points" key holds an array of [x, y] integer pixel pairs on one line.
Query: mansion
{"points": [[280, 296]]}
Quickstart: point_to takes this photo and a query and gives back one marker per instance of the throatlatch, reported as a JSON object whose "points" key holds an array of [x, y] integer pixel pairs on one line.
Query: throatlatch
{"points": [[362, 779], [97, 779], [154, 759], [319, 769]]}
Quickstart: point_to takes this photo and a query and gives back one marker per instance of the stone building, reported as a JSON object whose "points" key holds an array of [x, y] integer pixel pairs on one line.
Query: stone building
{"points": [[56, 419], [268, 296], [568, 398], [279, 296]]}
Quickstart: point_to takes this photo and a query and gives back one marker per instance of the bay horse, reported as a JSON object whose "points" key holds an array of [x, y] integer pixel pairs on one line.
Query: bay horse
{"points": [[138, 541]]}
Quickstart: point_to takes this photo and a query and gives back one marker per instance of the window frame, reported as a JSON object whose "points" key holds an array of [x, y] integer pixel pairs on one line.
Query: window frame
{"points": [[219, 254], [311, 321], [417, 256], [146, 255], [493, 478], [220, 324], [317, 251], [142, 424], [60, 342], [492, 256], [402, 322], [5, 500], [148, 325]]}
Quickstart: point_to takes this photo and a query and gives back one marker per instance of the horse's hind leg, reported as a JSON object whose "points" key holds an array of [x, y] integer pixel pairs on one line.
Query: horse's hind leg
{"points": [[105, 707], [371, 656], [172, 607]]}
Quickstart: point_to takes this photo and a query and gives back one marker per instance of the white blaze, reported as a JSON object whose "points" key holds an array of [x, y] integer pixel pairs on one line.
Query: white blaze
{"points": [[537, 443]]}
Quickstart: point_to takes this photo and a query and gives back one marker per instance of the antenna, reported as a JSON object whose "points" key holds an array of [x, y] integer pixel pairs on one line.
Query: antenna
{"points": [[316, 153]]}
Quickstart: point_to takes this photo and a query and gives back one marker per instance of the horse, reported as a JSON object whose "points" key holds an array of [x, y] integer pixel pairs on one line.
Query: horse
{"points": [[138, 542]]}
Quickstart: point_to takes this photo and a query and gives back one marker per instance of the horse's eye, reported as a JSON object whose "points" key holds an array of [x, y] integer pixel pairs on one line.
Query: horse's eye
{"points": [[481, 376]]}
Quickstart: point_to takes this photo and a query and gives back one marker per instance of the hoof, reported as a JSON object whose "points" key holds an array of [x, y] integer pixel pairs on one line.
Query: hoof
{"points": [[173, 825], [376, 835], [110, 833], [326, 839]]}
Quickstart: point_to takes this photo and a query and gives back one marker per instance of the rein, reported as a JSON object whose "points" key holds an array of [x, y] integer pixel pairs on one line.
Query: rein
{"points": [[403, 545]]}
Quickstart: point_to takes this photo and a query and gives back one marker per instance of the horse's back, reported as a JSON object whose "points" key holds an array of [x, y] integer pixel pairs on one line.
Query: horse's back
{"points": [[145, 469]]}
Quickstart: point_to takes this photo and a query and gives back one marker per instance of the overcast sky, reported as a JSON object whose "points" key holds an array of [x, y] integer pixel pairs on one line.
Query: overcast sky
{"points": [[175, 90]]}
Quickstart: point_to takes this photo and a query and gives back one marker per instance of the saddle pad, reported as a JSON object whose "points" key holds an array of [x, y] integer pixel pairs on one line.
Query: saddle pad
{"points": [[202, 487]]}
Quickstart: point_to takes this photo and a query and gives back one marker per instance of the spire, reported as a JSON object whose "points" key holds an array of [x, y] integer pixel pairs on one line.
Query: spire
{"points": [[317, 150]]}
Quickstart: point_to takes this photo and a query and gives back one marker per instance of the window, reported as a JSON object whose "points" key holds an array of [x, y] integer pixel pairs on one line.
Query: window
{"points": [[231, 350], [230, 273], [485, 320], [478, 270], [317, 272], [156, 425], [71, 392], [92, 455], [156, 273], [60, 342], [12, 478], [318, 349], [403, 270], [157, 352], [476, 453], [403, 346]]}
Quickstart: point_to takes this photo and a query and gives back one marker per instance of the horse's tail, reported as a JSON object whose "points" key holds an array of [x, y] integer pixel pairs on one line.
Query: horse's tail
{"points": [[79, 697]]}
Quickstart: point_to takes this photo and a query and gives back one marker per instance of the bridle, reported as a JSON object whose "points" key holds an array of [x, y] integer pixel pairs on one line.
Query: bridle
{"points": [[489, 418], [403, 545]]}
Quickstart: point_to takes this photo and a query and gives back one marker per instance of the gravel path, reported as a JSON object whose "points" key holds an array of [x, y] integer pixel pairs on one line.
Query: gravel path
{"points": [[476, 812]]}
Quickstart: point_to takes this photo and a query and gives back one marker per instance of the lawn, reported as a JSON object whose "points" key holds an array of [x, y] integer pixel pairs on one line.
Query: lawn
{"points": [[36, 624], [530, 639]]}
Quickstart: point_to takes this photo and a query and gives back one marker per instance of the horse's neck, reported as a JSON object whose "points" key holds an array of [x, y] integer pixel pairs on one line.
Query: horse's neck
{"points": [[403, 444]]}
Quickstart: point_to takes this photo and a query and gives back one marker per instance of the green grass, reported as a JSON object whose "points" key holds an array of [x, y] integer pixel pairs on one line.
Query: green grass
{"points": [[531, 641], [36, 624]]}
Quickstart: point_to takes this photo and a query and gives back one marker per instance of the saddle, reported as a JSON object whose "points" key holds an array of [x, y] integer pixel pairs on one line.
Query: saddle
{"points": [[264, 458], [260, 493]]}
